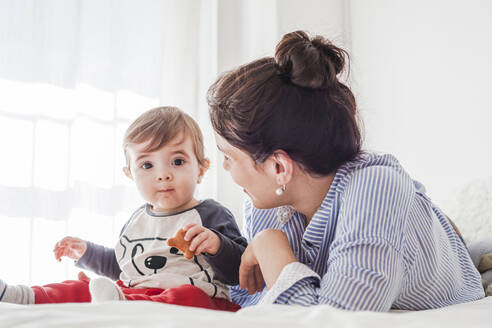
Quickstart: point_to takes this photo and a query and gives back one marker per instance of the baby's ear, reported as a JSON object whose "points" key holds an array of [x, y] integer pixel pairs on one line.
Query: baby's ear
{"points": [[206, 164], [203, 169], [127, 172]]}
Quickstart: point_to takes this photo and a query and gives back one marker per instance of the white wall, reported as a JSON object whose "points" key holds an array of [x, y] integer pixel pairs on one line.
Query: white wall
{"points": [[422, 73]]}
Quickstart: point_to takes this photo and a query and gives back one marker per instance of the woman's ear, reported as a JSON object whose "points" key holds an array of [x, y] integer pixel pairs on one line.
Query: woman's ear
{"points": [[281, 167], [203, 169], [127, 172]]}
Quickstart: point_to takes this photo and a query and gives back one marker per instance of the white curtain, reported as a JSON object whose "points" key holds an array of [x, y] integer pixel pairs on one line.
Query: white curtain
{"points": [[73, 74]]}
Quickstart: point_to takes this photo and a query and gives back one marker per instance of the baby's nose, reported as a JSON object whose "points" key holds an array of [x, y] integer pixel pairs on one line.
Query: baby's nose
{"points": [[166, 177]]}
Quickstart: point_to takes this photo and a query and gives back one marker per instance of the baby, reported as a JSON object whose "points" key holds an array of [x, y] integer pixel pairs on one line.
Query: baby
{"points": [[165, 158]]}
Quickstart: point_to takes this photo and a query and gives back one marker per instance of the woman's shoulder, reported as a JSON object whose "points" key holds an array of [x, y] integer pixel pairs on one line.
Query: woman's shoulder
{"points": [[368, 164], [375, 195], [372, 159], [368, 168]]}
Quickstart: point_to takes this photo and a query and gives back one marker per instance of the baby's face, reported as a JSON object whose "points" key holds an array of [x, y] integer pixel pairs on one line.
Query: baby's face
{"points": [[166, 178]]}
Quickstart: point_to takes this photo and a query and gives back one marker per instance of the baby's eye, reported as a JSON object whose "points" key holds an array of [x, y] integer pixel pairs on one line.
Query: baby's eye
{"points": [[178, 161], [146, 166]]}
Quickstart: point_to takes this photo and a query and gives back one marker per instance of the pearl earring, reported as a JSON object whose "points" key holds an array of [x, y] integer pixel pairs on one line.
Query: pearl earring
{"points": [[279, 191]]}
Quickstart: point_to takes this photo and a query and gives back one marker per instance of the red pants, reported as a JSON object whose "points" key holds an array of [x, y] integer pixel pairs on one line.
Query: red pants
{"points": [[78, 291]]}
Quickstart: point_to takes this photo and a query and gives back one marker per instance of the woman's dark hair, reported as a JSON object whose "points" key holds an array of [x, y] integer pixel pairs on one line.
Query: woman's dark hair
{"points": [[292, 102]]}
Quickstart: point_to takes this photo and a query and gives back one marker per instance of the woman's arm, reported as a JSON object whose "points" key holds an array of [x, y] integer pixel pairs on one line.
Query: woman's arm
{"points": [[255, 221], [364, 264], [363, 275], [264, 259]]}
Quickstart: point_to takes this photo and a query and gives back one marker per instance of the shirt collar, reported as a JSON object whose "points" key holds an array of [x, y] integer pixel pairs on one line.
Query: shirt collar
{"points": [[321, 228]]}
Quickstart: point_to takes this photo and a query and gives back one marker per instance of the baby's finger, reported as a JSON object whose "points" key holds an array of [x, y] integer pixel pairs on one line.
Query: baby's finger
{"points": [[188, 226], [58, 245], [203, 247], [58, 254], [62, 243], [192, 232], [67, 251], [197, 241], [64, 240]]}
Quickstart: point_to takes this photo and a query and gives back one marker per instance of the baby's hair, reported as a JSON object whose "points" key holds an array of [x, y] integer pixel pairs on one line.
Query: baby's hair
{"points": [[160, 125]]}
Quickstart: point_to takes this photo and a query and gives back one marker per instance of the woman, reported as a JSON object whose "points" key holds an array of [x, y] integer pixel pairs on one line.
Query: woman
{"points": [[327, 223]]}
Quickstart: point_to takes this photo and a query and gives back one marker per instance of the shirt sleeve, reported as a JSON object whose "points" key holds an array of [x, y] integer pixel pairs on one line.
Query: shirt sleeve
{"points": [[226, 261], [365, 267], [100, 260]]}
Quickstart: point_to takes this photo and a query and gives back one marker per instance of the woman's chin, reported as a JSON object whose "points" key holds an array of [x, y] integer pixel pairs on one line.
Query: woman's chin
{"points": [[261, 205]]}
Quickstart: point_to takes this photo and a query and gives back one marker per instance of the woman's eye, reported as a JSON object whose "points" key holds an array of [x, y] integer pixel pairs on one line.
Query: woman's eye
{"points": [[226, 158], [146, 166], [178, 162]]}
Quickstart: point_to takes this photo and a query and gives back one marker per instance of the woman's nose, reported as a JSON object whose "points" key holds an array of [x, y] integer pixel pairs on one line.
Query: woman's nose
{"points": [[225, 165]]}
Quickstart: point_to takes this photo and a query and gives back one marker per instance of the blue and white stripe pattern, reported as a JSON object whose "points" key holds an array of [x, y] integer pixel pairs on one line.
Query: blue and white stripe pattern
{"points": [[377, 242], [3, 289]]}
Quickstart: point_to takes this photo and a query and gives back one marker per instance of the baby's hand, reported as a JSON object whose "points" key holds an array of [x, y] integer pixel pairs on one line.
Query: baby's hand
{"points": [[202, 239], [71, 247]]}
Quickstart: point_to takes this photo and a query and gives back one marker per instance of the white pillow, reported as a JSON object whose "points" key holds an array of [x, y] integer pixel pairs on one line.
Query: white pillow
{"points": [[470, 208]]}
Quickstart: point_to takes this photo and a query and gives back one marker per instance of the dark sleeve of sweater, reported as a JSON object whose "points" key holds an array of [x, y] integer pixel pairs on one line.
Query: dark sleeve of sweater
{"points": [[220, 220], [101, 260]]}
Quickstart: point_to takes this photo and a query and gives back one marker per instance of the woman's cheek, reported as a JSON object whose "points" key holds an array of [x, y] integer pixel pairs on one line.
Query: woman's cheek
{"points": [[236, 177]]}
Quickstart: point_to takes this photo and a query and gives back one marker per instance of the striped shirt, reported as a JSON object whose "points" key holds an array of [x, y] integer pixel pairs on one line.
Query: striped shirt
{"points": [[376, 243]]}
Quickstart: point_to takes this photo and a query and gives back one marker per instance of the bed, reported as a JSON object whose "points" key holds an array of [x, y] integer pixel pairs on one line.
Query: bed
{"points": [[147, 314]]}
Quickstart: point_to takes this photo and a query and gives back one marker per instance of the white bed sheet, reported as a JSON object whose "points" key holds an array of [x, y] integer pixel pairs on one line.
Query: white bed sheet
{"points": [[147, 314]]}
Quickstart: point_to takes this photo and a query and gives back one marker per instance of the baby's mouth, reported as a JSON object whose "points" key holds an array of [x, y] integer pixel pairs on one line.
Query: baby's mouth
{"points": [[165, 190]]}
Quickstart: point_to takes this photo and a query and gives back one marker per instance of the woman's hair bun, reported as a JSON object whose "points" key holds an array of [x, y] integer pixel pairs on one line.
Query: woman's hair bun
{"points": [[309, 62]]}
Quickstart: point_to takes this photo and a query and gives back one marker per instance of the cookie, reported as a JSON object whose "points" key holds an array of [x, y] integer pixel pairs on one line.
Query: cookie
{"points": [[180, 243]]}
